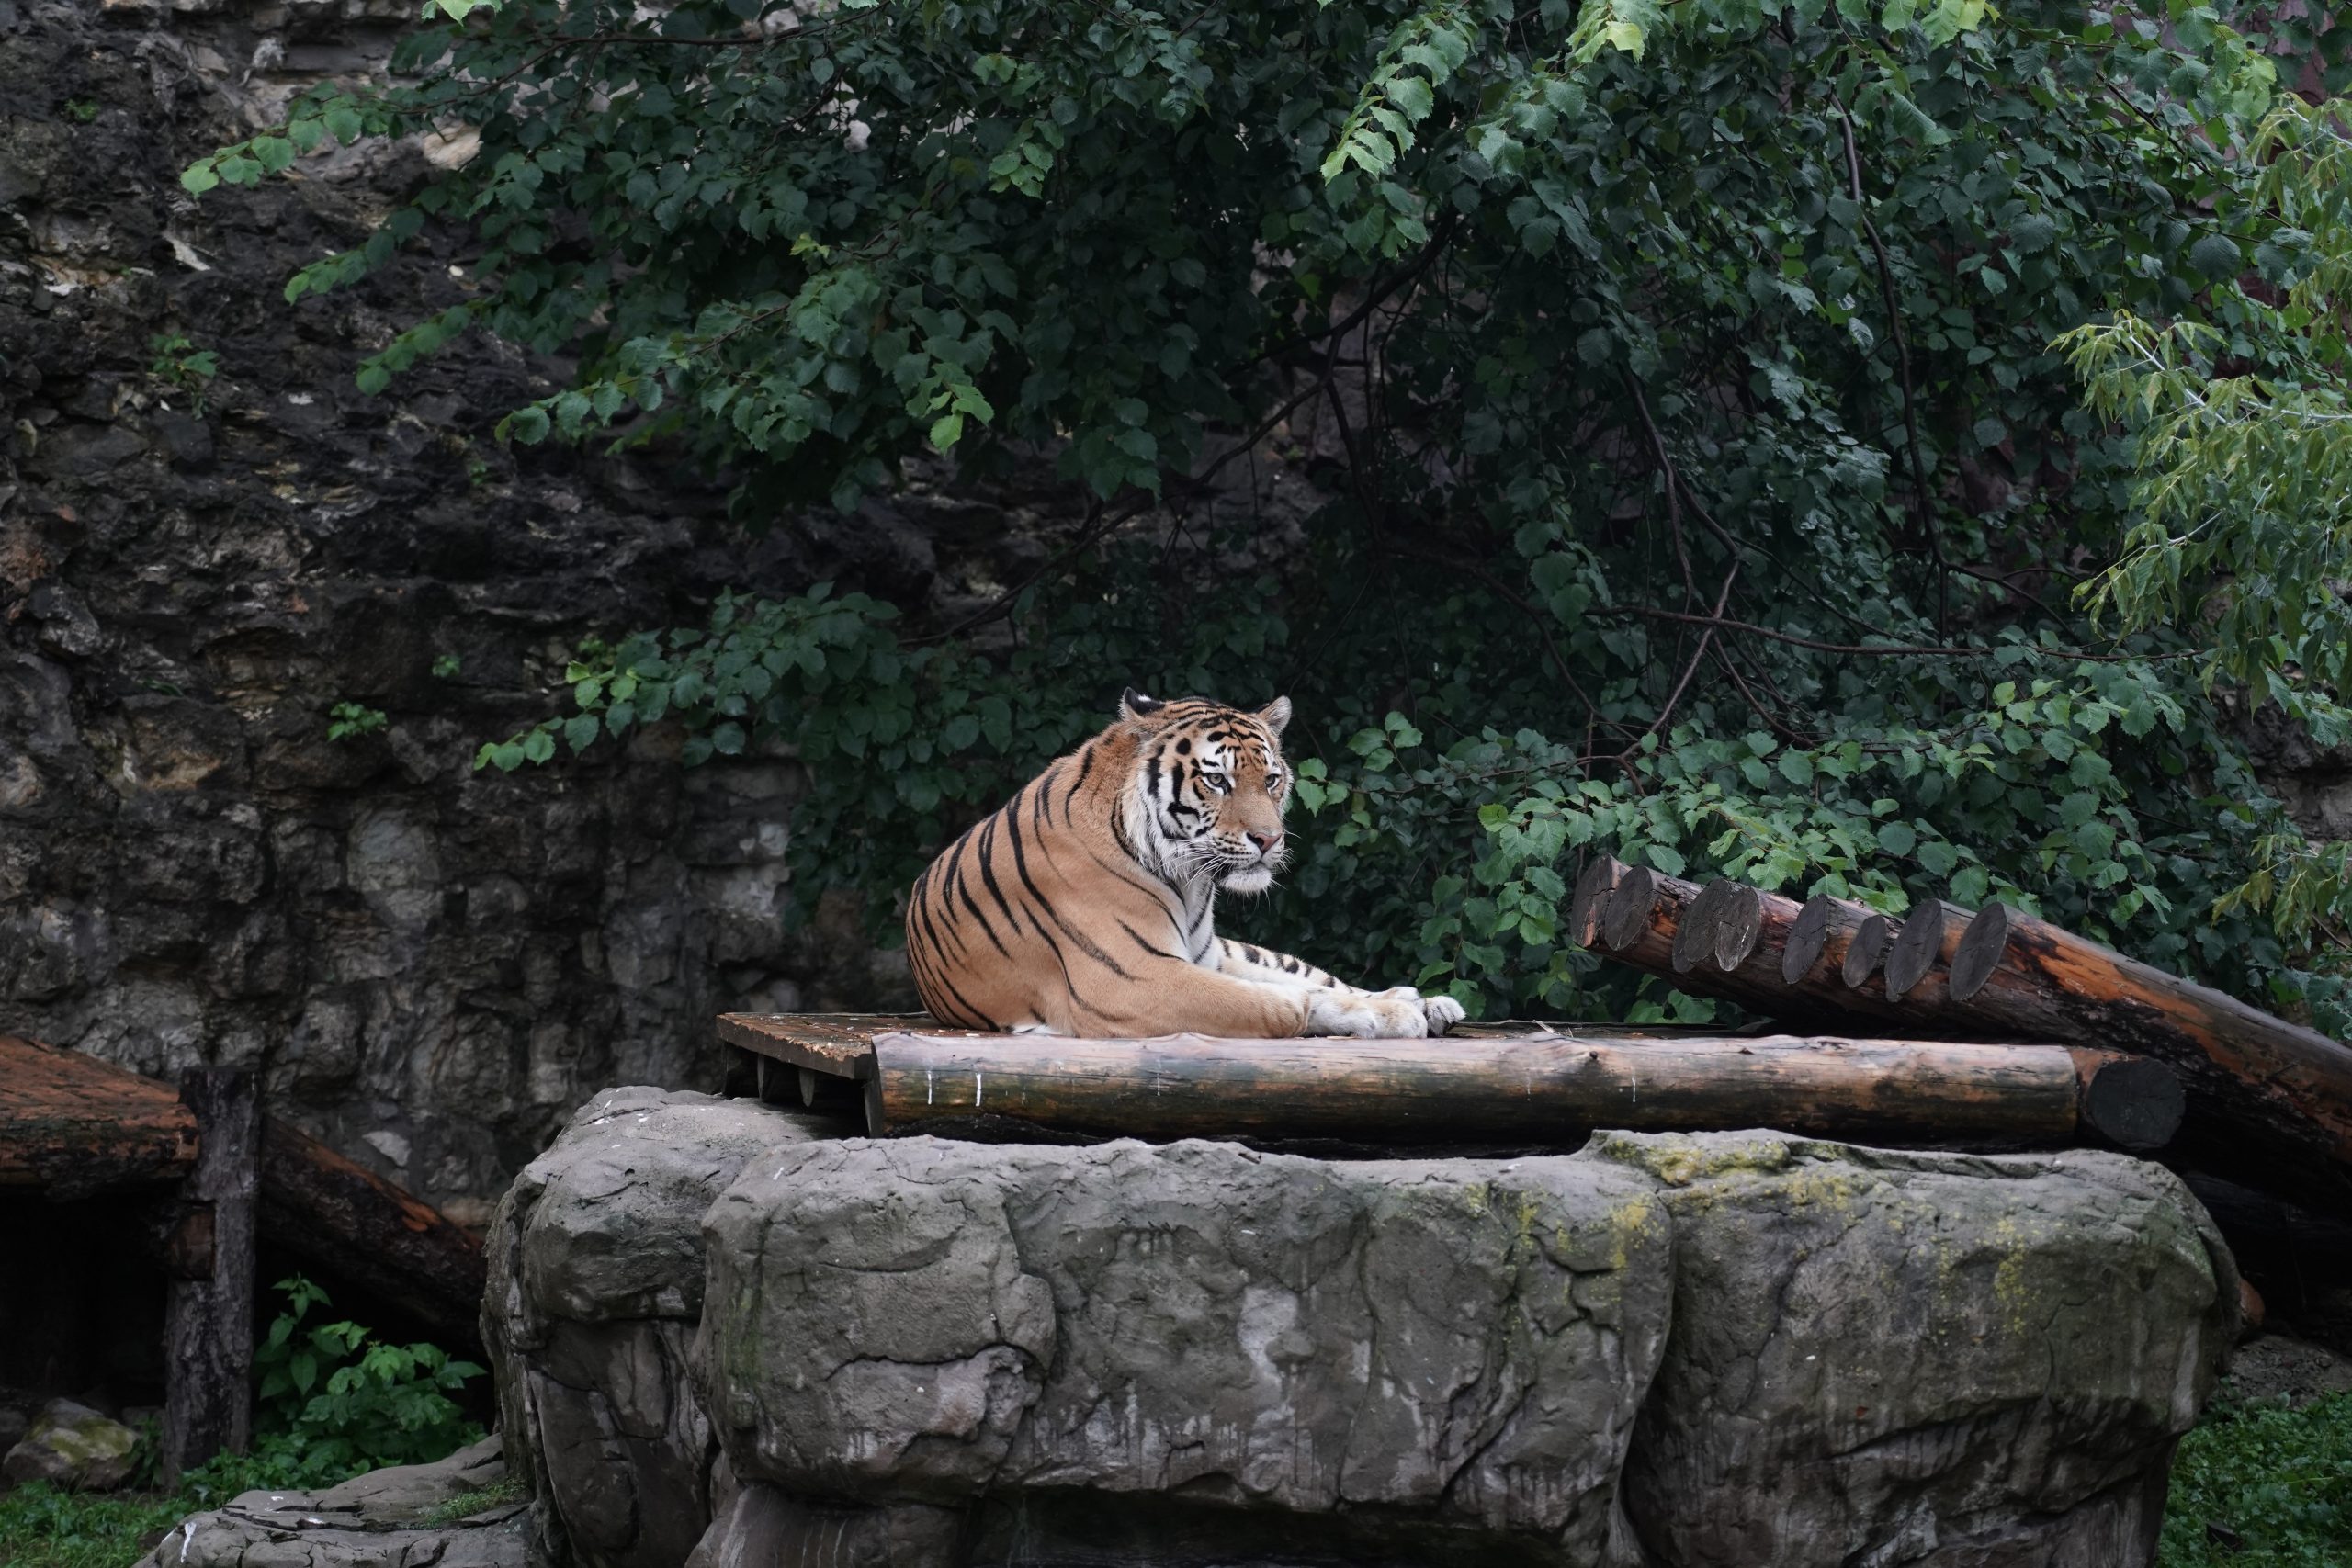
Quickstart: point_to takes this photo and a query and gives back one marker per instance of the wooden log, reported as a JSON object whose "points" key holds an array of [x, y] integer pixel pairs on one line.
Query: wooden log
{"points": [[1694, 934], [73, 1124], [1922, 952], [1817, 945], [1740, 928], [209, 1321], [2263, 1092], [346, 1220], [1589, 903], [1865, 951], [1522, 1092]]}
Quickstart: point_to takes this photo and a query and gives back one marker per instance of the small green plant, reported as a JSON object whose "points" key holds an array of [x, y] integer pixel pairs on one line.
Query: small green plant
{"points": [[333, 1401], [83, 109], [347, 720], [446, 668], [180, 365]]}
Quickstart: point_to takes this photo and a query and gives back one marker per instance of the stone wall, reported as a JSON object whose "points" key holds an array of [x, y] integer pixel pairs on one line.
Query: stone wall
{"points": [[430, 966]]}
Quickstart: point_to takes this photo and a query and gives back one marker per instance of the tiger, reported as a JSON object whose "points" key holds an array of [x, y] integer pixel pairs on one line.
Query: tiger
{"points": [[1085, 905]]}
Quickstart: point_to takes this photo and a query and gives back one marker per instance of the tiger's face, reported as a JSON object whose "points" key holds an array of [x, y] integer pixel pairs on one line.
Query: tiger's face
{"points": [[1213, 787]]}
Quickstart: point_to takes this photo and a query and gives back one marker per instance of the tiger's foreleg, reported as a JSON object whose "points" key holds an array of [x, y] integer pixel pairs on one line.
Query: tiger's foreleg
{"points": [[1263, 965], [1174, 997]]}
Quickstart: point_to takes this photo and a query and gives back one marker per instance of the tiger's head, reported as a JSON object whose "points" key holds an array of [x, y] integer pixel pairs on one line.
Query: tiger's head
{"points": [[1210, 787]]}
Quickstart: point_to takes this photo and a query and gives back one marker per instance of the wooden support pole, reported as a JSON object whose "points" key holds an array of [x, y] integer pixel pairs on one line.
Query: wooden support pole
{"points": [[1520, 1091], [209, 1322], [2267, 1093]]}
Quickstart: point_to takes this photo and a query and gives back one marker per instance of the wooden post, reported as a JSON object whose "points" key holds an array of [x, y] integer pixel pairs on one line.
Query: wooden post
{"points": [[208, 1326], [1524, 1092]]}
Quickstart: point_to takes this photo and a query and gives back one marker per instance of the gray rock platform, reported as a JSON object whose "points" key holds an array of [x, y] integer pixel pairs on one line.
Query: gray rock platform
{"points": [[725, 1339], [411, 1517]]}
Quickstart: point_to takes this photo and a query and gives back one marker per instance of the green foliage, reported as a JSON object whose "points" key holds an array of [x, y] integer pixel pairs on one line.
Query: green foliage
{"points": [[2263, 1487], [83, 109], [1708, 487], [182, 367], [446, 666], [334, 1401], [41, 1526], [346, 721]]}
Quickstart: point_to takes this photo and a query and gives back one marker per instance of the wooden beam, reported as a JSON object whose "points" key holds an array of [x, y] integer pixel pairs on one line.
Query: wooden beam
{"points": [[2265, 1091], [73, 1125], [1526, 1093], [209, 1321], [346, 1219]]}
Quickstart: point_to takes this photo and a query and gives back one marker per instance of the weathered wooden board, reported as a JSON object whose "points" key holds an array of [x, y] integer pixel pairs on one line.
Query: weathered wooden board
{"points": [[1535, 1091], [75, 1125]]}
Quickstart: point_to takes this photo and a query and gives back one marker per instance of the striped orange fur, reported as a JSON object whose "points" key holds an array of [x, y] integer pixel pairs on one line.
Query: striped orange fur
{"points": [[1086, 904]]}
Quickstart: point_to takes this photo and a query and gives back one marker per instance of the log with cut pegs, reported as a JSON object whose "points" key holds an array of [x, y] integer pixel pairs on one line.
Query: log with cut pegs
{"points": [[1735, 941], [1524, 1092]]}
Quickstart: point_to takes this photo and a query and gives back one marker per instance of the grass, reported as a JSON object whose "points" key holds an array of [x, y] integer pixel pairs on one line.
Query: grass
{"points": [[41, 1526], [465, 1505], [2263, 1486]]}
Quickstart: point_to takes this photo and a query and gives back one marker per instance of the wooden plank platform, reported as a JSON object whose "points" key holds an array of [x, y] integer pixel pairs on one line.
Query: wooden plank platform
{"points": [[75, 1125], [841, 1044]]}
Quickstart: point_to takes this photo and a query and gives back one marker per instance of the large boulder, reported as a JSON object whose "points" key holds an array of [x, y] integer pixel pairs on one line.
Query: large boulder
{"points": [[74, 1447], [459, 1513], [1922, 1358], [1671, 1351], [596, 1289], [1455, 1344]]}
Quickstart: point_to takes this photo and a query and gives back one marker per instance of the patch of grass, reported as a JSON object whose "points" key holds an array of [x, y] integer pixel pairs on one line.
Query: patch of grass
{"points": [[42, 1527], [465, 1505], [2263, 1486]]}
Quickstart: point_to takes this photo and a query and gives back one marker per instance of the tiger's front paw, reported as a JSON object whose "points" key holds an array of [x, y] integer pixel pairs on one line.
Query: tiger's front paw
{"points": [[1397, 1014], [1442, 1013]]}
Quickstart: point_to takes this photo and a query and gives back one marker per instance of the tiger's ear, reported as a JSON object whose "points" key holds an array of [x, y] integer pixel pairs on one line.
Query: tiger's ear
{"points": [[1275, 713], [1133, 705]]}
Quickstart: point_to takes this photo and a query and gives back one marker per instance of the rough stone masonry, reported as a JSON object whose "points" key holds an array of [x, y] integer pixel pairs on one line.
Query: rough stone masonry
{"points": [[725, 1337]]}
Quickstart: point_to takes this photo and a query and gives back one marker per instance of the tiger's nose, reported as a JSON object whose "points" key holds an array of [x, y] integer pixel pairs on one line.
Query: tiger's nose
{"points": [[1267, 842]]}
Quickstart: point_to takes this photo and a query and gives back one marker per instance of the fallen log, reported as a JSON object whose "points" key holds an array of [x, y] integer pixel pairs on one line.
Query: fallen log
{"points": [[2265, 1092], [344, 1219], [1534, 1092]]}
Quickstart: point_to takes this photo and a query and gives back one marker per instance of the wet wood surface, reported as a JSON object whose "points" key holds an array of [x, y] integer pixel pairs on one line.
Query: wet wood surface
{"points": [[2263, 1089], [73, 1125], [1533, 1091]]}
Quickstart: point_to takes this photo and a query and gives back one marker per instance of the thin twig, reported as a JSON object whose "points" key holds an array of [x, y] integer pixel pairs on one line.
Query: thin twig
{"points": [[1706, 636], [1922, 503]]}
